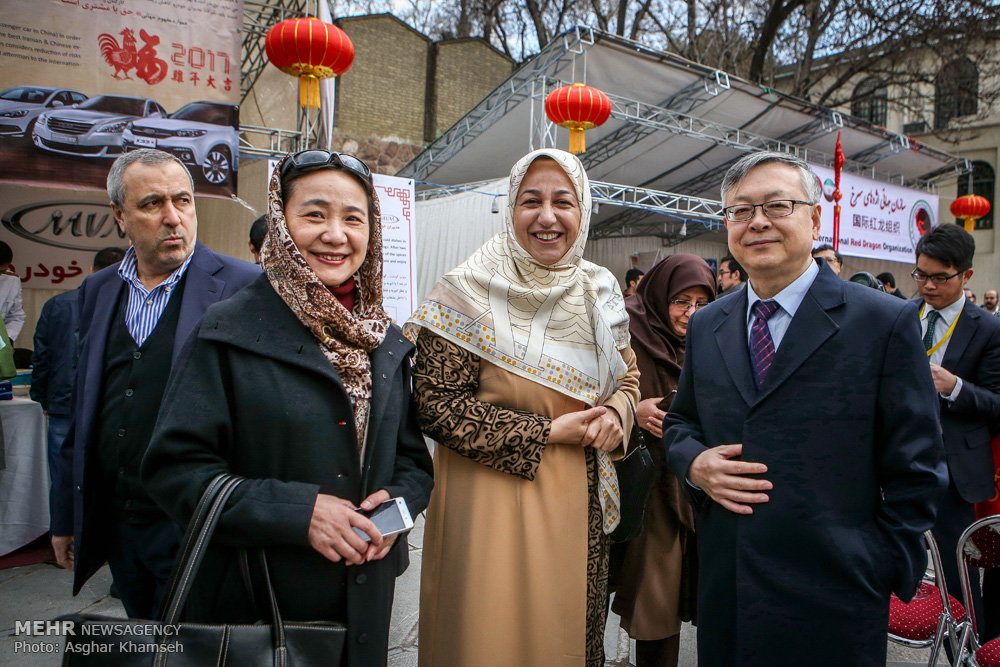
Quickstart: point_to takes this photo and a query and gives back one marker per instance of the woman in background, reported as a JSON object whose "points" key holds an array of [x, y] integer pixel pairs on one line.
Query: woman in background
{"points": [[656, 589]]}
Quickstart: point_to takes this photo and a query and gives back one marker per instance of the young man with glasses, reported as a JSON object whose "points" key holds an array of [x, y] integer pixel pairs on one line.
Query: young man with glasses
{"points": [[833, 258], [732, 276], [806, 427], [963, 347]]}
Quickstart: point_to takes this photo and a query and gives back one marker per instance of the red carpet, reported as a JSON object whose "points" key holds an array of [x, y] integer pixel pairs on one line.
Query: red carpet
{"points": [[37, 552]]}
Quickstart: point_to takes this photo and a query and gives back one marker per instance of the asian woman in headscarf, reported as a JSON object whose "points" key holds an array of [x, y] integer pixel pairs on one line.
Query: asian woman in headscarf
{"points": [[525, 378], [657, 583], [300, 384]]}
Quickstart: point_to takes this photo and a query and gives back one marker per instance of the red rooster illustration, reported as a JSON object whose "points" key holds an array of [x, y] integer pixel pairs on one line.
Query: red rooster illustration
{"points": [[122, 58]]}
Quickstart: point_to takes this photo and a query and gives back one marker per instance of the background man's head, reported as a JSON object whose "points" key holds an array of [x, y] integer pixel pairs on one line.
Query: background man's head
{"points": [[107, 257], [730, 273], [772, 216], [258, 232], [990, 299], [833, 258], [888, 280], [944, 264], [632, 278], [152, 196], [6, 256], [970, 295]]}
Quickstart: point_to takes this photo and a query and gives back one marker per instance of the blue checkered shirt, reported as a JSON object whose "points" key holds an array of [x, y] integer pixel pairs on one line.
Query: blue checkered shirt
{"points": [[145, 306]]}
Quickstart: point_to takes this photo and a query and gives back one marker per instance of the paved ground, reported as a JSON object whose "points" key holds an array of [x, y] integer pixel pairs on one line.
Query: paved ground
{"points": [[40, 592]]}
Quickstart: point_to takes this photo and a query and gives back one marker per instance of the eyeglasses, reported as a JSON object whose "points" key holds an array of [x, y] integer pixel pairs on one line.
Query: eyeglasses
{"points": [[723, 272], [937, 278], [687, 305], [776, 208], [317, 157]]}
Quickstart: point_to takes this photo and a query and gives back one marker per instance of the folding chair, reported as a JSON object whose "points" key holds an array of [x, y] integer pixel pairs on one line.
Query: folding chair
{"points": [[931, 615], [978, 547]]}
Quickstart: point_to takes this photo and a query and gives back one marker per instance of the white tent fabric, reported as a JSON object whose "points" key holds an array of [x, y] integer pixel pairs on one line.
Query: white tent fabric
{"points": [[451, 228]]}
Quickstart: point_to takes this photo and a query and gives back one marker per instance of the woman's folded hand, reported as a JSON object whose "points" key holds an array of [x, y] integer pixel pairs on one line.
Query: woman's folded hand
{"points": [[596, 427], [331, 530]]}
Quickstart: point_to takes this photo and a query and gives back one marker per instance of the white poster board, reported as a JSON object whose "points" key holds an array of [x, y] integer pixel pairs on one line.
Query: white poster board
{"points": [[877, 220], [399, 246]]}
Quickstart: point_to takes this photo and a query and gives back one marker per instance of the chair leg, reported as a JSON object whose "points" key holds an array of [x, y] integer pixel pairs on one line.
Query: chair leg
{"points": [[938, 640]]}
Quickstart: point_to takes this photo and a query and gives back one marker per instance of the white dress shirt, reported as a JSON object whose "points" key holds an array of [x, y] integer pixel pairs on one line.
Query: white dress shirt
{"points": [[789, 300], [948, 315], [11, 307]]}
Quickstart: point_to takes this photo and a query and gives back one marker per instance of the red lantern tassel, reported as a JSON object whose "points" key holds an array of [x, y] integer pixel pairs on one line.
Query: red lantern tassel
{"points": [[970, 222], [308, 91], [577, 142]]}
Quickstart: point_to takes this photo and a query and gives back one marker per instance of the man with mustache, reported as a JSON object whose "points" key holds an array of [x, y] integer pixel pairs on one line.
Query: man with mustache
{"points": [[805, 423], [134, 318]]}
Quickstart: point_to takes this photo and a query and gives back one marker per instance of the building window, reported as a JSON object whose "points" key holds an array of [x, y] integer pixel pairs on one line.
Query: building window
{"points": [[984, 185], [870, 101], [956, 92]]}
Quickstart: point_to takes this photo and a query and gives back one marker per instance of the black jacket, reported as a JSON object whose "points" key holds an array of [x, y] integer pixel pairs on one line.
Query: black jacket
{"points": [[253, 394], [53, 362]]}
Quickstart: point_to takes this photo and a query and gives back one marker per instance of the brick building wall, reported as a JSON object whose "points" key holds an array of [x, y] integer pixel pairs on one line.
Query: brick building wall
{"points": [[383, 94], [466, 71]]}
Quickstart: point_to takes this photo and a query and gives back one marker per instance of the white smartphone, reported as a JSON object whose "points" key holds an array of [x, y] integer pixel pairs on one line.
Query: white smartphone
{"points": [[391, 517]]}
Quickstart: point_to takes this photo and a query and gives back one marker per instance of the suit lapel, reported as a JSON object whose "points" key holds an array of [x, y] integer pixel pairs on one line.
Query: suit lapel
{"points": [[809, 329], [100, 326], [731, 337], [961, 337], [201, 290]]}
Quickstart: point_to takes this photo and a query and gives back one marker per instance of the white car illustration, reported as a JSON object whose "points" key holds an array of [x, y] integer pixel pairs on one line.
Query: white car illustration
{"points": [[21, 105], [94, 128], [202, 134]]}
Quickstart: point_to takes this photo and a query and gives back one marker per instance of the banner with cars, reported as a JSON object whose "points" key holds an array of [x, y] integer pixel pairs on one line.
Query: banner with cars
{"points": [[877, 220], [83, 81]]}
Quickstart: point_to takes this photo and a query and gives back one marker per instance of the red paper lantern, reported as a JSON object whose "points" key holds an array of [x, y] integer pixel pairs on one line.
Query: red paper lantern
{"points": [[577, 108], [970, 207], [311, 50]]}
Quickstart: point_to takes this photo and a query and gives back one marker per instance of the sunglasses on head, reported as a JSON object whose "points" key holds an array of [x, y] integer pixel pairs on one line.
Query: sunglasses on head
{"points": [[317, 157]]}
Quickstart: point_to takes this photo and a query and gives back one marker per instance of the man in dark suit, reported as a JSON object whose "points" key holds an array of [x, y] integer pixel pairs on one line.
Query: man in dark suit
{"points": [[134, 318], [805, 425], [53, 361], [963, 347]]}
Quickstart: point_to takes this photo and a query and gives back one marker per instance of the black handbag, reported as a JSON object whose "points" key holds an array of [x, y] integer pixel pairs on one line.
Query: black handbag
{"points": [[109, 642], [636, 474]]}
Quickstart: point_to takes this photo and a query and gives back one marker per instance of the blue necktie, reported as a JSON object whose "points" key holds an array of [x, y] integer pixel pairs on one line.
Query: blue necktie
{"points": [[761, 344]]}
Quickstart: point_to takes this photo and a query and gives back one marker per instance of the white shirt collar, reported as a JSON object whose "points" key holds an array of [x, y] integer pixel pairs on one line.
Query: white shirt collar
{"points": [[791, 296], [948, 313]]}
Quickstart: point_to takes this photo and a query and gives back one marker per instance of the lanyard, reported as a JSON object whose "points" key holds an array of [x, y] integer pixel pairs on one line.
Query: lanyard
{"points": [[947, 334]]}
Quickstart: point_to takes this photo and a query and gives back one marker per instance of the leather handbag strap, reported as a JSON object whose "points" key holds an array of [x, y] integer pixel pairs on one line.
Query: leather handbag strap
{"points": [[196, 540]]}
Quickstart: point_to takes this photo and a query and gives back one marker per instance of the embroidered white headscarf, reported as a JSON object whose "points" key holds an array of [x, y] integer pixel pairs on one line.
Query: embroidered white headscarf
{"points": [[560, 325]]}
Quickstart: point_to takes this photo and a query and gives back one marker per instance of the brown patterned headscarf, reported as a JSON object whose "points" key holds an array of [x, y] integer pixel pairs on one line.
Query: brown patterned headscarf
{"points": [[345, 338]]}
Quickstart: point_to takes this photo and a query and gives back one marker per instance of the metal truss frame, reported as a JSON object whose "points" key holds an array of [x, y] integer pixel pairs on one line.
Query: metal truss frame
{"points": [[643, 119], [279, 141], [258, 17]]}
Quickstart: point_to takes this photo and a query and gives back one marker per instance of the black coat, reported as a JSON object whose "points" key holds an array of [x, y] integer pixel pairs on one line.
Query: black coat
{"points": [[253, 394], [77, 504], [53, 362], [846, 423]]}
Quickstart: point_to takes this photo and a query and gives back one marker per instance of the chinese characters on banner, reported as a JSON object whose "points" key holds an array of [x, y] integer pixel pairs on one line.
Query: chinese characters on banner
{"points": [[877, 220], [82, 81]]}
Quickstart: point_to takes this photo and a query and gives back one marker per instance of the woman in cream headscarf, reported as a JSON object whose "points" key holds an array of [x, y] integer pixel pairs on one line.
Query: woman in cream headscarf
{"points": [[524, 375]]}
